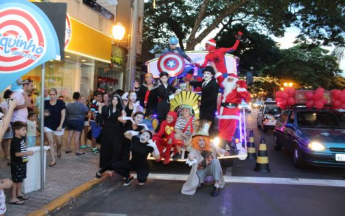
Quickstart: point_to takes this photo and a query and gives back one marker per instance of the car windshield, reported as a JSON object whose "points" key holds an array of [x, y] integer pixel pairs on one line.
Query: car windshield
{"points": [[272, 110], [321, 119]]}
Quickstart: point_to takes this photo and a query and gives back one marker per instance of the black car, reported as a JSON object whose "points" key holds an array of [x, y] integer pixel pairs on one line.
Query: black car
{"points": [[315, 137]]}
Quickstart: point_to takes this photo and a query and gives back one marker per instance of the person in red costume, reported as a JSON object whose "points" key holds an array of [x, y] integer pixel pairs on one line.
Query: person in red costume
{"points": [[228, 114], [218, 55], [165, 136]]}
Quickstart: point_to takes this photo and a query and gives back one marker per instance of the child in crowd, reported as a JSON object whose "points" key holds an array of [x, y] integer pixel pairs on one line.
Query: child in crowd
{"points": [[31, 130], [165, 136], [4, 184], [18, 163]]}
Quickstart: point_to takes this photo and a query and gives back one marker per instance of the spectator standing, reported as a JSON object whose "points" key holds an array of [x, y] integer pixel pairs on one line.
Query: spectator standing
{"points": [[4, 184], [6, 139], [75, 122], [133, 104], [54, 123], [87, 115], [31, 130], [106, 99], [23, 102], [95, 127], [19, 158]]}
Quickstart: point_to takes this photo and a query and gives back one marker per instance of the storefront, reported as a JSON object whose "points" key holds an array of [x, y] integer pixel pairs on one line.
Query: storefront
{"points": [[87, 51]]}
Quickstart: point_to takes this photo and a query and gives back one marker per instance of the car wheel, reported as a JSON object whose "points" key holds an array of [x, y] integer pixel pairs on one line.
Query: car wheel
{"points": [[277, 145], [297, 160]]}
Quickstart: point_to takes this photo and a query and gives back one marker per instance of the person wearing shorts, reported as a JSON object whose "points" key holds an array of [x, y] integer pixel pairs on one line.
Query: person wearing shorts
{"points": [[54, 123], [75, 123]]}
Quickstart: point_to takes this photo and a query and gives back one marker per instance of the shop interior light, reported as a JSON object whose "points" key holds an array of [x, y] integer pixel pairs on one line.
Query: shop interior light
{"points": [[67, 56], [83, 60]]}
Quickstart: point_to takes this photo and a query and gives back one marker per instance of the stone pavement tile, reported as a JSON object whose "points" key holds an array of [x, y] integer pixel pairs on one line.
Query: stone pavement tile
{"points": [[70, 172]]}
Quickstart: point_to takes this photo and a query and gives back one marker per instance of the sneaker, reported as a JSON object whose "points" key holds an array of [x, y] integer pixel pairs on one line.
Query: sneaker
{"points": [[141, 183], [82, 147], [95, 150], [129, 180]]}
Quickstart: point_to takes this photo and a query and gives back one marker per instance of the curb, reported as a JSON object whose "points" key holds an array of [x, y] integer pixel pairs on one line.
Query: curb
{"points": [[69, 197]]}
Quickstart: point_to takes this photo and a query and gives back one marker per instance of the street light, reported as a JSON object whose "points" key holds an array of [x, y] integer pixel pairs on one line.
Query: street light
{"points": [[118, 31]]}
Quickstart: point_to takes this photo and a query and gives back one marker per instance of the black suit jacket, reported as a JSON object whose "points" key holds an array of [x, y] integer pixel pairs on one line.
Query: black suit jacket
{"points": [[209, 95]]}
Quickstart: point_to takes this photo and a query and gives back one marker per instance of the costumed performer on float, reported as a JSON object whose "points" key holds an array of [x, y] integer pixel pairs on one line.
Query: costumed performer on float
{"points": [[203, 160], [173, 41], [218, 55], [234, 92], [165, 136]]}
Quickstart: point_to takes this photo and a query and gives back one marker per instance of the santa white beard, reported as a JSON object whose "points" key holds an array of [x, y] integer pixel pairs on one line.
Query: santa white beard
{"points": [[228, 86]]}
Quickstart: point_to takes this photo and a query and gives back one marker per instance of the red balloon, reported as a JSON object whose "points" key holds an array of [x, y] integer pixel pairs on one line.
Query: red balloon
{"points": [[336, 94], [309, 104], [291, 101], [309, 96], [291, 91], [278, 94], [343, 106], [342, 97], [283, 103], [319, 104], [321, 90], [336, 104], [278, 99], [324, 100], [318, 95], [284, 95]]}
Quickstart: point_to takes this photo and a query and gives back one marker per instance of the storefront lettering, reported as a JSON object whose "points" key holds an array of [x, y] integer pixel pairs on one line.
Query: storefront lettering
{"points": [[29, 48]]}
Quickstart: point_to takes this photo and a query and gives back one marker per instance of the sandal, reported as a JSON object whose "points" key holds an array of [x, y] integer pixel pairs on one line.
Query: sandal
{"points": [[18, 202], [67, 152], [51, 165], [23, 197], [79, 153]]}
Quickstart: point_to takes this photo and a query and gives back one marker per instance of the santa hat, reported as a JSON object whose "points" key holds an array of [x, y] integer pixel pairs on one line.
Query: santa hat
{"points": [[212, 42]]}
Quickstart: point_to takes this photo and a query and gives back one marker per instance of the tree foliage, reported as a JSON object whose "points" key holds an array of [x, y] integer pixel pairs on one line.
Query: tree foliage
{"points": [[306, 65], [323, 21]]}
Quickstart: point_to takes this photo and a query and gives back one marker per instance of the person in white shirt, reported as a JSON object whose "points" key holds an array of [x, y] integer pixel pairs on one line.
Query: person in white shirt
{"points": [[31, 130]]}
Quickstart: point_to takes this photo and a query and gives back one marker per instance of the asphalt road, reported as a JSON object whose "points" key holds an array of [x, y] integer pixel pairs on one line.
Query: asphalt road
{"points": [[159, 197]]}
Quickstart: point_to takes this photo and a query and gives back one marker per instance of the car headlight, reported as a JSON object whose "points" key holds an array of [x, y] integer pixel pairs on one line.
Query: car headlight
{"points": [[316, 146]]}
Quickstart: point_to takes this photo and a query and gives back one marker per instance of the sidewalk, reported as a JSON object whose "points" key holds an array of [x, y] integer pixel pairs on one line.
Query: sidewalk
{"points": [[70, 172]]}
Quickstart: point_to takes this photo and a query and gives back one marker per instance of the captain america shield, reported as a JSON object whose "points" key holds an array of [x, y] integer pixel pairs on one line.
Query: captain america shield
{"points": [[171, 63]]}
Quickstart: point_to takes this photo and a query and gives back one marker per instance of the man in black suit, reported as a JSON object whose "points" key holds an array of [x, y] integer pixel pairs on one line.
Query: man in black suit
{"points": [[209, 94]]}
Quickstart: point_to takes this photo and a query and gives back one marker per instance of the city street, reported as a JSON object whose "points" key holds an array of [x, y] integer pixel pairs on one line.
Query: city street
{"points": [[286, 190]]}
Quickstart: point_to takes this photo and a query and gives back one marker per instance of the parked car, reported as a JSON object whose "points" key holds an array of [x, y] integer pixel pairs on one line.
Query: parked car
{"points": [[315, 137], [268, 115]]}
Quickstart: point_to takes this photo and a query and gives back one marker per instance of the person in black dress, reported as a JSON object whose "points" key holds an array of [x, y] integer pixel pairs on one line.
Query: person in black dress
{"points": [[129, 126], [165, 94], [141, 147], [133, 104], [148, 94], [110, 119], [209, 95]]}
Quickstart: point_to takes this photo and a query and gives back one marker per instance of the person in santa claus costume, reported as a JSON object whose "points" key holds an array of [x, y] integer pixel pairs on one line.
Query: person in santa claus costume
{"points": [[218, 55], [235, 91], [165, 136]]}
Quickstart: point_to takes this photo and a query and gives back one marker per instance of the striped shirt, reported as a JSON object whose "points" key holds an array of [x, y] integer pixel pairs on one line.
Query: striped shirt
{"points": [[181, 124]]}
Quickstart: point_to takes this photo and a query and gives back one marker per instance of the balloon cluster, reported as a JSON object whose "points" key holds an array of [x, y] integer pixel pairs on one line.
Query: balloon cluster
{"points": [[338, 99], [286, 97], [315, 99]]}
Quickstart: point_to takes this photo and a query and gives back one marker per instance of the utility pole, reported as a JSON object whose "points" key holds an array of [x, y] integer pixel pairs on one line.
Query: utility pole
{"points": [[130, 76]]}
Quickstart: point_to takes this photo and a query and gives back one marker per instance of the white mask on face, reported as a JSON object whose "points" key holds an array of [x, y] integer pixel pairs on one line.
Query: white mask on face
{"points": [[133, 97]]}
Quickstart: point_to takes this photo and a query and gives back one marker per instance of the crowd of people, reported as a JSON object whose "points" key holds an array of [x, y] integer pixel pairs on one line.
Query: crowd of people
{"points": [[129, 126]]}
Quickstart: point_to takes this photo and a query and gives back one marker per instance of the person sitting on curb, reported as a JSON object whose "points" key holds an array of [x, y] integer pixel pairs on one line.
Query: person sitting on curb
{"points": [[141, 147], [203, 160], [165, 136]]}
